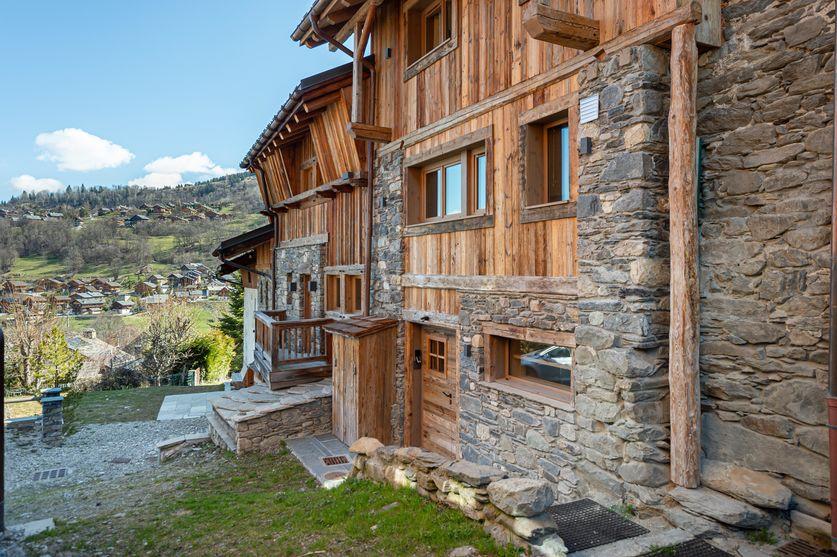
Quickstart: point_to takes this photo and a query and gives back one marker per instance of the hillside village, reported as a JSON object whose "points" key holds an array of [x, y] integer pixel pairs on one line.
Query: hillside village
{"points": [[130, 216]]}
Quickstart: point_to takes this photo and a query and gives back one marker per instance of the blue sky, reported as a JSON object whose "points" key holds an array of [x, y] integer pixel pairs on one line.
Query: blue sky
{"points": [[109, 92]]}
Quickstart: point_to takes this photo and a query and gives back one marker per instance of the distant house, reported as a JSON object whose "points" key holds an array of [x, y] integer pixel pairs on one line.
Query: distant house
{"points": [[16, 286], [123, 307], [154, 300], [54, 215], [32, 217], [76, 285], [199, 268], [146, 288], [35, 303], [106, 286], [51, 285], [87, 303], [59, 302], [157, 279], [98, 356], [175, 280], [105, 211], [218, 289], [136, 219]]}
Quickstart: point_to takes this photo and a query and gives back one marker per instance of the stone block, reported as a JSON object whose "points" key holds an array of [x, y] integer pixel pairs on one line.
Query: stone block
{"points": [[799, 399], [521, 496], [753, 487], [811, 529], [720, 507], [645, 473], [475, 475], [365, 446]]}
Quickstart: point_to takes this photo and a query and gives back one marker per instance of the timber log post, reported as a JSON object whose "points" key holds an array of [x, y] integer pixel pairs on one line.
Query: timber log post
{"points": [[684, 327]]}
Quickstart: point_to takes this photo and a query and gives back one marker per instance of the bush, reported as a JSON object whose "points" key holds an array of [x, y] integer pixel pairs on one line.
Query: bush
{"points": [[214, 353]]}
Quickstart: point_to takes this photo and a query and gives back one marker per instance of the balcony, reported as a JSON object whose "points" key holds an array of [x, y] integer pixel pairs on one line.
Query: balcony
{"points": [[290, 353]]}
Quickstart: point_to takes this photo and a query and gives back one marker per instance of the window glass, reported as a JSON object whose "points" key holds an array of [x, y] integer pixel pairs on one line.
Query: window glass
{"points": [[543, 363], [558, 163], [432, 29], [432, 197], [453, 189], [479, 164]]}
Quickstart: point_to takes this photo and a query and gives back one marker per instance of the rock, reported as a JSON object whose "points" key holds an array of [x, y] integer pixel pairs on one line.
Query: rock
{"points": [[464, 551], [365, 446], [812, 508], [628, 166], [799, 399], [550, 546], [803, 31], [521, 496], [695, 525], [811, 529], [777, 426], [476, 475], [645, 473], [754, 487], [773, 156], [722, 508], [765, 227], [529, 527], [733, 443]]}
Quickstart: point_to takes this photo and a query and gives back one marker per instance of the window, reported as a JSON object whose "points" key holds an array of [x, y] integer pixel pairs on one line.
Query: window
{"points": [[451, 181], [548, 133], [344, 293], [436, 354], [429, 26], [534, 361]]}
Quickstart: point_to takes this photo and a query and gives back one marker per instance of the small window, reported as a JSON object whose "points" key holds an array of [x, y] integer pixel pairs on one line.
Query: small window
{"points": [[436, 354], [333, 294], [353, 288], [443, 189], [540, 366], [548, 161], [429, 24], [344, 293], [454, 187]]}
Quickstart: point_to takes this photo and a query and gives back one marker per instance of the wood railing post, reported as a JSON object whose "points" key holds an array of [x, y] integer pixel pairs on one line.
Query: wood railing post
{"points": [[684, 331]]}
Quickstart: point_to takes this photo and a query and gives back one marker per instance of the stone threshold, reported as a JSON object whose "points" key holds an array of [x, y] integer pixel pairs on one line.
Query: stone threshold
{"points": [[310, 451]]}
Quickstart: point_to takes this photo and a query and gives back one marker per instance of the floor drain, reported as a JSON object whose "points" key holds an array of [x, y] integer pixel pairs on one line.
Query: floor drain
{"points": [[120, 460], [50, 474], [799, 548], [691, 548], [584, 524], [335, 460]]}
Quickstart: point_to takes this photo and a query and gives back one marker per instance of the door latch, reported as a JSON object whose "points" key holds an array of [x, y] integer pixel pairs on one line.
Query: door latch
{"points": [[417, 359]]}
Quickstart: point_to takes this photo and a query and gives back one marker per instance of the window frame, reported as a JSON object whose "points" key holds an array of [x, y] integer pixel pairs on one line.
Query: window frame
{"points": [[534, 159], [343, 278], [497, 347], [418, 57], [463, 150]]}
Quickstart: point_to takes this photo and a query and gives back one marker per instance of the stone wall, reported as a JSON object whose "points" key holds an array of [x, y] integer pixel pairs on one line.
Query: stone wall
{"points": [[765, 113], [512, 510], [620, 372], [388, 266], [507, 430], [305, 259]]}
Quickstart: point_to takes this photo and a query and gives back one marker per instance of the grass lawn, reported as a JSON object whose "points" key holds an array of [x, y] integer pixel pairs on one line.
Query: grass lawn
{"points": [[20, 407], [36, 267], [125, 405], [268, 505]]}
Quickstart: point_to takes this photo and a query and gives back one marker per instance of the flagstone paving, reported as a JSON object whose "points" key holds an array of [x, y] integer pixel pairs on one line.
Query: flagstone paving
{"points": [[184, 407]]}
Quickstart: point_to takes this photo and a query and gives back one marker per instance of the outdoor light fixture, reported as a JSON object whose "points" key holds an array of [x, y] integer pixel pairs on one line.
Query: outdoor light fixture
{"points": [[585, 145], [292, 287], [312, 286]]}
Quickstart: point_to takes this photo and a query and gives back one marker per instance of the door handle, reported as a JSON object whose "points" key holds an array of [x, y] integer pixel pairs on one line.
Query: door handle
{"points": [[450, 396]]}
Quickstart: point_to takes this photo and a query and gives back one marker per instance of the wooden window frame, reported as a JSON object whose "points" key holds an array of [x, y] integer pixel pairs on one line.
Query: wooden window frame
{"points": [[497, 337], [439, 339], [414, 16], [343, 308], [463, 150], [462, 160], [533, 163]]}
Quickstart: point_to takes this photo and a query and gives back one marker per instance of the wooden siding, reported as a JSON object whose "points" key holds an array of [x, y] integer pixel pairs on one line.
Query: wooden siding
{"points": [[435, 300]]}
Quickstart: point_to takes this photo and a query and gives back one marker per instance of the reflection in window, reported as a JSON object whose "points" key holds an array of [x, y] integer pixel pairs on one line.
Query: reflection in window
{"points": [[542, 363], [453, 189], [479, 163], [432, 199]]}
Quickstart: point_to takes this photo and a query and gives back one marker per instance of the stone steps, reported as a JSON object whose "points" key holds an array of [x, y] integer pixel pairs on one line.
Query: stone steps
{"points": [[221, 433]]}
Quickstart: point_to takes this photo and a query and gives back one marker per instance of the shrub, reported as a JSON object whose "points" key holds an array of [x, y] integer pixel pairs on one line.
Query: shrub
{"points": [[214, 353]]}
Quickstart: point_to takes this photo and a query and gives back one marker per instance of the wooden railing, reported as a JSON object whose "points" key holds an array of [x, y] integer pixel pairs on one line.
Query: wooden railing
{"points": [[284, 349]]}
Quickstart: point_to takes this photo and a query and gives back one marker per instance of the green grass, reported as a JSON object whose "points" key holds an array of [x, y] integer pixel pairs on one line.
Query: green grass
{"points": [[20, 407], [268, 505], [37, 267], [126, 405], [762, 537]]}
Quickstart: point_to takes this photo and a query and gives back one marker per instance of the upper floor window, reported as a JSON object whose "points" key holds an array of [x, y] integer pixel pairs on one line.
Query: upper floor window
{"points": [[344, 293], [430, 24]]}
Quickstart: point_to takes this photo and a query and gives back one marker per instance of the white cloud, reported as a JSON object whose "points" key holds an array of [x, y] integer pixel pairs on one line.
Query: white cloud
{"points": [[30, 184], [75, 149], [169, 171]]}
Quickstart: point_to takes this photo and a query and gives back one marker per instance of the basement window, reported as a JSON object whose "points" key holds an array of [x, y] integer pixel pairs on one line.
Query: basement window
{"points": [[430, 31], [532, 362], [549, 162]]}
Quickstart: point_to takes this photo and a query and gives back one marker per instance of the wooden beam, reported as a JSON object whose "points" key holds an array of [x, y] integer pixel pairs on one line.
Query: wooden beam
{"points": [[649, 33], [562, 28], [562, 286], [367, 132], [321, 102], [684, 327]]}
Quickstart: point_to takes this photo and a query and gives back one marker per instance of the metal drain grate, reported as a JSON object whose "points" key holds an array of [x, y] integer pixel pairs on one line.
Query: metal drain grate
{"points": [[584, 524], [335, 460], [799, 548], [691, 548], [49, 474]]}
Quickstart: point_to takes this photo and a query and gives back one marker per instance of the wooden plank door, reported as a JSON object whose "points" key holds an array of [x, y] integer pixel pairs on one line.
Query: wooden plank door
{"points": [[439, 393]]}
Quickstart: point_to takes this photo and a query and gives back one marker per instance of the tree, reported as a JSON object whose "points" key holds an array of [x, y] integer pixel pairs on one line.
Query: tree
{"points": [[231, 323], [165, 343], [55, 363], [27, 331]]}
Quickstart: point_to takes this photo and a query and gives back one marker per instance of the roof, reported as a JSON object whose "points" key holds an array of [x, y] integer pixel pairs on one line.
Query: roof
{"points": [[339, 16], [243, 243], [360, 326], [307, 85], [246, 260], [97, 349]]}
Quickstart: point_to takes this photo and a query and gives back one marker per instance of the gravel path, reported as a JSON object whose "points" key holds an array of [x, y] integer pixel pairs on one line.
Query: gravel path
{"points": [[99, 451]]}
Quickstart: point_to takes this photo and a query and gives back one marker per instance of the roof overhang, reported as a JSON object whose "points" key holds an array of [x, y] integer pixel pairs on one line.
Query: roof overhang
{"points": [[246, 260], [244, 243]]}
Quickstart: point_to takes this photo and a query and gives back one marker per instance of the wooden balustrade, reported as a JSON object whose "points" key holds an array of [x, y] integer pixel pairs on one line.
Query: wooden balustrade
{"points": [[291, 352]]}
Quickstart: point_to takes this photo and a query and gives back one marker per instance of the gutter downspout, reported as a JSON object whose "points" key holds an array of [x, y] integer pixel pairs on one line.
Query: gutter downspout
{"points": [[370, 148], [832, 339]]}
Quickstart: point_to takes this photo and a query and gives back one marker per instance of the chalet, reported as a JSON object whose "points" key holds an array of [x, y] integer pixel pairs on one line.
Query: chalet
{"points": [[136, 219], [31, 302], [175, 280], [506, 201], [154, 300], [123, 307], [54, 215], [99, 356], [106, 286], [59, 302], [159, 280], [87, 303], [51, 285], [146, 288], [75, 285], [16, 286]]}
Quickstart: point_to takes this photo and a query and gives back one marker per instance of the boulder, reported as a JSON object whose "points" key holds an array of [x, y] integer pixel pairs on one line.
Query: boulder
{"points": [[550, 546], [753, 487], [521, 496], [365, 446], [720, 507], [476, 475], [811, 529], [799, 399]]}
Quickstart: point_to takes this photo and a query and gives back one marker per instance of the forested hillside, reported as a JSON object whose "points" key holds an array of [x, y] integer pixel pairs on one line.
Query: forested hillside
{"points": [[83, 230]]}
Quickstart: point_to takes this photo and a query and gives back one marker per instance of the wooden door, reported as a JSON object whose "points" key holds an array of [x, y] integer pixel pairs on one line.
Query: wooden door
{"points": [[439, 393], [305, 296]]}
